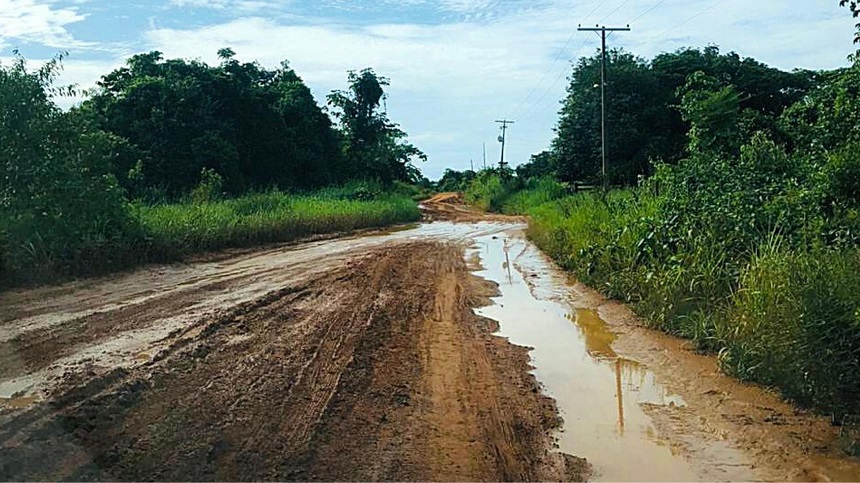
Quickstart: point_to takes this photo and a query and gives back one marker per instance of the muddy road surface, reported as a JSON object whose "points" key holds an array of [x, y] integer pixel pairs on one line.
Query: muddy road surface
{"points": [[442, 351]]}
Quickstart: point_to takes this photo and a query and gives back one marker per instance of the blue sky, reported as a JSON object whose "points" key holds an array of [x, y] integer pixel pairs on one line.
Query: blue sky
{"points": [[455, 65]]}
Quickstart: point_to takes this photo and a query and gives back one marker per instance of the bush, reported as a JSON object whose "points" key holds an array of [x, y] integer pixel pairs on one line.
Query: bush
{"points": [[795, 323], [61, 209], [535, 192]]}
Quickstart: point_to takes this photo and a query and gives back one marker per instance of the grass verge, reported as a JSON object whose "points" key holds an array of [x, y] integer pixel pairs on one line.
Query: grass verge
{"points": [[780, 315], [168, 232]]}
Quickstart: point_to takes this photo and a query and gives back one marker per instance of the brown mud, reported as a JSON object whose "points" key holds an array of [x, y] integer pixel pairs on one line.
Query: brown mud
{"points": [[453, 207], [375, 368]]}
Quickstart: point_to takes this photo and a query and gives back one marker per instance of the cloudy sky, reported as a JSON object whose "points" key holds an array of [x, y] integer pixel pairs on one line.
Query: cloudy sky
{"points": [[455, 65]]}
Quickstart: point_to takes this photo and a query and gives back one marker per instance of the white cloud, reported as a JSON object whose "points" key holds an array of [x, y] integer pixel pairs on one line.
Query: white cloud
{"points": [[238, 6], [38, 22], [451, 79]]}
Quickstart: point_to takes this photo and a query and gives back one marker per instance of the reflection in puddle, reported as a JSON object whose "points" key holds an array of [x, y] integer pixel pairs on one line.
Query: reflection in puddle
{"points": [[600, 395]]}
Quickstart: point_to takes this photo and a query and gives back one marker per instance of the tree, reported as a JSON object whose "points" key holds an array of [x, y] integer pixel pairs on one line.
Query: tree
{"points": [[373, 144], [854, 6], [453, 180], [60, 205], [644, 121], [637, 110], [252, 126], [712, 110], [539, 166]]}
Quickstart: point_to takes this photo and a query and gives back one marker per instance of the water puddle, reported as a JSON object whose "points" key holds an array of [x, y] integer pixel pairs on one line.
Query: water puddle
{"points": [[600, 395]]}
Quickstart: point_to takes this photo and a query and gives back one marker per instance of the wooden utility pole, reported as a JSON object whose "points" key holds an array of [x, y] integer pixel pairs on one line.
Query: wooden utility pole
{"points": [[502, 139], [602, 34]]}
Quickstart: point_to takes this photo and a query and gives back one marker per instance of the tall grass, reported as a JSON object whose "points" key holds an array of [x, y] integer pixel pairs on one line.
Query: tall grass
{"points": [[175, 230], [504, 193], [777, 314], [795, 322], [535, 192], [166, 232]]}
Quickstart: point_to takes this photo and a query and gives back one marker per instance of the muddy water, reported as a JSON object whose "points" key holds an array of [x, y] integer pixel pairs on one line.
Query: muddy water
{"points": [[601, 396]]}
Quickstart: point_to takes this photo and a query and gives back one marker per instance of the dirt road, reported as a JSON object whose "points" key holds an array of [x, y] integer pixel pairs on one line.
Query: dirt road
{"points": [[362, 358], [359, 358]]}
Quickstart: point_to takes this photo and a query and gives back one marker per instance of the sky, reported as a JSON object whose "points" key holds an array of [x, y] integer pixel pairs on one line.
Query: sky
{"points": [[456, 66]]}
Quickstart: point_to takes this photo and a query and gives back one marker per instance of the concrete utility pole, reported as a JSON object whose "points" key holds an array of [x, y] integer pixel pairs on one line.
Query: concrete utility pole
{"points": [[502, 139], [602, 34]]}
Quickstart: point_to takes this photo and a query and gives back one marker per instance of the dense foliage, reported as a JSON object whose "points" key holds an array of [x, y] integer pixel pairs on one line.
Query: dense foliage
{"points": [[749, 244], [87, 191], [59, 201], [645, 124], [374, 145], [256, 128]]}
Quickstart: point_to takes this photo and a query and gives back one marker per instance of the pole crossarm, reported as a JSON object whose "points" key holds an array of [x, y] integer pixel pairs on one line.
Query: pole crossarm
{"points": [[604, 29], [504, 124]]}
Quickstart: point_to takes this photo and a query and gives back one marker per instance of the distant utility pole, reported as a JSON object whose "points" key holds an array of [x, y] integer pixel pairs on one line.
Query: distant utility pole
{"points": [[502, 139], [485, 155], [603, 31], [471, 165]]}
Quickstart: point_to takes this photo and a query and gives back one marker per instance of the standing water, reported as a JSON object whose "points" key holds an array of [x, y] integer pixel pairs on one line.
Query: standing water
{"points": [[599, 394]]}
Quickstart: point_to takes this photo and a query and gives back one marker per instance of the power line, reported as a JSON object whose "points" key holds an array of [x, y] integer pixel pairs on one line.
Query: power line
{"points": [[556, 59], [651, 9], [692, 17], [530, 109]]}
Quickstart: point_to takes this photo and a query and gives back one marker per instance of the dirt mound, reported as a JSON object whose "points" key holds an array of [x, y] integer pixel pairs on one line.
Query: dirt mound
{"points": [[453, 207], [376, 369], [449, 198]]}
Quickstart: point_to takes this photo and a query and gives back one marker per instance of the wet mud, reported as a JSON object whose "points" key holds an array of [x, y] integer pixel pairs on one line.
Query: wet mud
{"points": [[370, 367]]}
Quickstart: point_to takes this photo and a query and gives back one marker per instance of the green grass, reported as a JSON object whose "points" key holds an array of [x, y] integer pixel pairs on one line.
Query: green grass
{"points": [[492, 192], [777, 314], [175, 230], [167, 232], [535, 193]]}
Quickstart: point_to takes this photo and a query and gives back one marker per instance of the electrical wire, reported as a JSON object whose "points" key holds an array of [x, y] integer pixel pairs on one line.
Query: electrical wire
{"points": [[555, 61]]}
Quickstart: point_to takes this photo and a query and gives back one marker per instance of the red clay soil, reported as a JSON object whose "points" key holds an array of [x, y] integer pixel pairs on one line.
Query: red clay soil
{"points": [[375, 369]]}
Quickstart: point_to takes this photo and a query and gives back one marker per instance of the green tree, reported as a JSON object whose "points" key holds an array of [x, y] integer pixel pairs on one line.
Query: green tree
{"points": [[636, 111], [453, 180], [854, 6], [374, 145], [712, 110], [255, 127], [60, 205], [539, 166]]}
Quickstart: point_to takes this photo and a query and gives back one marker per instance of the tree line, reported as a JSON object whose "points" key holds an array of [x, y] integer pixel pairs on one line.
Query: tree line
{"points": [[156, 131]]}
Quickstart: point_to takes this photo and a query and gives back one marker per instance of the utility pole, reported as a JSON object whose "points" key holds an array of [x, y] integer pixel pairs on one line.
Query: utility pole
{"points": [[485, 155], [602, 34], [471, 165], [502, 139]]}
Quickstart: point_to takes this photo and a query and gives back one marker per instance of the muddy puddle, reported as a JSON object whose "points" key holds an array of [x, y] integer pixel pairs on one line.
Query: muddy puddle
{"points": [[603, 398]]}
